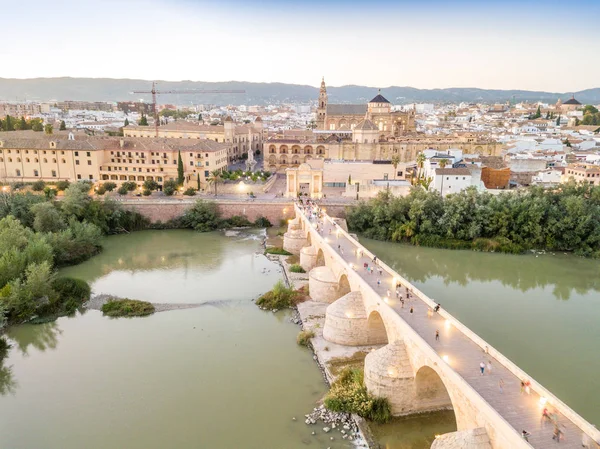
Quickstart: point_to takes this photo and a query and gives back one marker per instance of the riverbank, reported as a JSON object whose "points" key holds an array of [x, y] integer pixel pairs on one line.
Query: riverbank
{"points": [[331, 358]]}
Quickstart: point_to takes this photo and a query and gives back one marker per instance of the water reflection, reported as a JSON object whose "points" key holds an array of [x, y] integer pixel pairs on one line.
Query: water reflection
{"points": [[566, 274], [39, 336], [166, 250], [8, 385]]}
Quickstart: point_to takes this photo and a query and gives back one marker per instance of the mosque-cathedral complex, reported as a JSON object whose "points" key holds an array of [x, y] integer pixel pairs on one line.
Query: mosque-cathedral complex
{"points": [[371, 131]]}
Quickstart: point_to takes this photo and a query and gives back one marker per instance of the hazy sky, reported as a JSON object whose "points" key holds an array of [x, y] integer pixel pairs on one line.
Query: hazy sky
{"points": [[538, 45]]}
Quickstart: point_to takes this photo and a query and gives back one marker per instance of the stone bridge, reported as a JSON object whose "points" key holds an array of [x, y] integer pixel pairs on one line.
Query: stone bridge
{"points": [[416, 372]]}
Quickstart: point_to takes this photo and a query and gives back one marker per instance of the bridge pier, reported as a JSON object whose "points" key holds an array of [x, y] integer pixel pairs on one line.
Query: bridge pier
{"points": [[308, 258], [294, 240], [464, 439], [346, 323], [389, 374], [323, 285]]}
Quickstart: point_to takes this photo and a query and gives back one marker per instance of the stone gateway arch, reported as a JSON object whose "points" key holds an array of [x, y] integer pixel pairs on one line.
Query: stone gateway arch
{"points": [[411, 369]]}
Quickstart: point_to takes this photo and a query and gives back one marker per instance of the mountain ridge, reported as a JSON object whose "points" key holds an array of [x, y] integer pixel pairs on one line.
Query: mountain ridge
{"points": [[120, 89]]}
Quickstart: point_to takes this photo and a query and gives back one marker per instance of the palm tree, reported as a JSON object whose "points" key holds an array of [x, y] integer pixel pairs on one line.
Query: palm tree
{"points": [[214, 178], [395, 162], [443, 163]]}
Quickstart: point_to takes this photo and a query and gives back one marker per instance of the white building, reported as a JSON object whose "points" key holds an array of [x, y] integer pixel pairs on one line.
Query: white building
{"points": [[453, 180]]}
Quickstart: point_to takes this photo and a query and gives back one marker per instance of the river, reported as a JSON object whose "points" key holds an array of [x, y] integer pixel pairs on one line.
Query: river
{"points": [[223, 375], [540, 310], [227, 375]]}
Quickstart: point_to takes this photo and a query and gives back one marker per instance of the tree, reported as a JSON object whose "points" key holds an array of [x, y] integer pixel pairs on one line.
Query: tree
{"points": [[150, 185], [214, 178], [37, 125], [558, 121], [63, 126], [538, 113], [169, 187], [8, 124], [48, 129], [420, 162], [123, 190], [202, 216], [443, 163], [547, 115], [126, 122], [109, 186], [62, 185], [143, 121], [198, 181], [38, 186], [395, 162], [590, 109], [75, 200], [180, 174], [47, 218], [23, 123]]}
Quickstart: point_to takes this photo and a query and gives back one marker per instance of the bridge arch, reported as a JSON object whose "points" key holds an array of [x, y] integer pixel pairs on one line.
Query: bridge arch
{"points": [[320, 258], [376, 330], [343, 285], [430, 391]]}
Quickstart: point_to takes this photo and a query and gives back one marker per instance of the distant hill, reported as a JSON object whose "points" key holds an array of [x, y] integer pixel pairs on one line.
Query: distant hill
{"points": [[108, 89]]}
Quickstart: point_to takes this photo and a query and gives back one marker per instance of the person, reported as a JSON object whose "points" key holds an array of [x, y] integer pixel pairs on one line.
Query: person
{"points": [[380, 271], [411, 310], [437, 307], [365, 266], [339, 247], [522, 387], [378, 282], [402, 302], [501, 386], [482, 367], [545, 416], [437, 335], [527, 387], [525, 435], [557, 434], [375, 260], [489, 366]]}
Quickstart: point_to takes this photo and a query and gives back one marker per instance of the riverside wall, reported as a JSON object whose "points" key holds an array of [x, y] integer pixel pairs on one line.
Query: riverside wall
{"points": [[274, 211]]}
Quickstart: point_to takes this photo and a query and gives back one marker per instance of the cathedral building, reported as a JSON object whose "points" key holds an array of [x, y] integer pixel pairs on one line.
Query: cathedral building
{"points": [[340, 117], [367, 132]]}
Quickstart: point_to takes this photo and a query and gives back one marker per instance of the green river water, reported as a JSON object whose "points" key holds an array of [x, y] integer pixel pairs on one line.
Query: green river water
{"points": [[227, 375]]}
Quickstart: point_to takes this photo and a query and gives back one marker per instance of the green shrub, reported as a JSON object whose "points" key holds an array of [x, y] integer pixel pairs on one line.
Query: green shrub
{"points": [[203, 216], [303, 338], [280, 297], [123, 190], [127, 308], [101, 190], [38, 186], [109, 186], [348, 394], [297, 269], [146, 192], [238, 221], [262, 222], [72, 293], [62, 185], [169, 187], [278, 251], [190, 191]]}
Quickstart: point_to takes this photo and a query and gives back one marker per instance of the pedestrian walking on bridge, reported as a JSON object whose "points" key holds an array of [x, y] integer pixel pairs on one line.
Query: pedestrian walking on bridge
{"points": [[482, 367]]}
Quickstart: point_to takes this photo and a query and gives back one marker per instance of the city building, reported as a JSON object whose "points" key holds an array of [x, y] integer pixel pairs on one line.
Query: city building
{"points": [[242, 137], [34, 156], [582, 173]]}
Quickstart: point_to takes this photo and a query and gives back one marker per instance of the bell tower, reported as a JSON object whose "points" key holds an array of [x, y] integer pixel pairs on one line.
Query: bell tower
{"points": [[322, 106]]}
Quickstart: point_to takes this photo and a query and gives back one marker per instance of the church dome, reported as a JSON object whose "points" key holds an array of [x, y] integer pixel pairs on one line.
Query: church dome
{"points": [[572, 101], [228, 119], [379, 98]]}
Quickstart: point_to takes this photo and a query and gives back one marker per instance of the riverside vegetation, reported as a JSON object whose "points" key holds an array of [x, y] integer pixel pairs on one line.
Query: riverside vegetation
{"points": [[127, 308], [349, 394], [562, 219]]}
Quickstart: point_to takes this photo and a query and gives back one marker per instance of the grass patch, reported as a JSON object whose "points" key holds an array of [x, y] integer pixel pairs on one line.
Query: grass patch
{"points": [[303, 338], [295, 268], [278, 251], [280, 297], [127, 307], [337, 364], [348, 394]]}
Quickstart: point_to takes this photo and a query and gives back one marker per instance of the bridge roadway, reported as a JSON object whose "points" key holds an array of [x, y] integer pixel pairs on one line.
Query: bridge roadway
{"points": [[520, 410]]}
